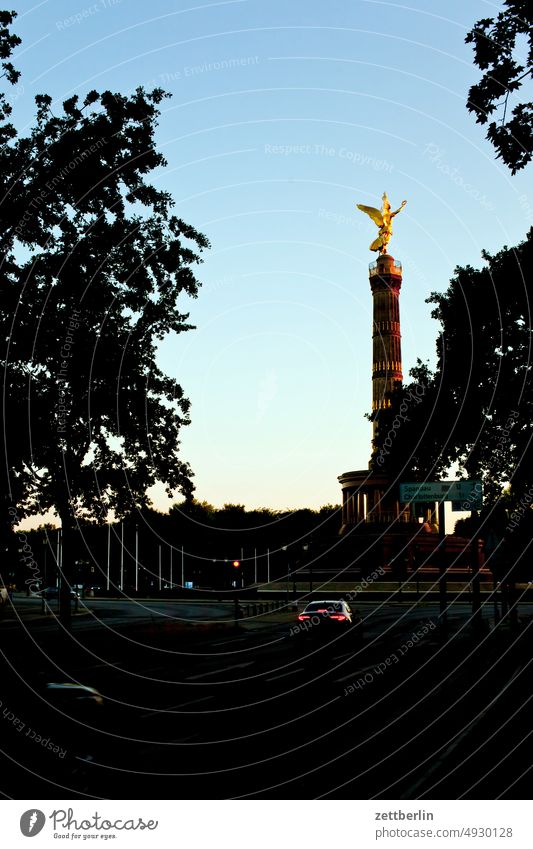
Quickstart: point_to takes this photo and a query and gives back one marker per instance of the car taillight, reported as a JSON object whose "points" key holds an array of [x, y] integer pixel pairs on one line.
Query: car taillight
{"points": [[322, 610], [339, 616], [303, 616]]}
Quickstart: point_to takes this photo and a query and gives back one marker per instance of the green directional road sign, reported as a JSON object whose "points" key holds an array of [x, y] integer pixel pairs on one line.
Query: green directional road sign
{"points": [[469, 494]]}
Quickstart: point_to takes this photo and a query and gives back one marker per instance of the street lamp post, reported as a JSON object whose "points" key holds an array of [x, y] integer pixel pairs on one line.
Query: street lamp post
{"points": [[59, 563], [310, 566], [122, 557], [58, 556], [476, 578], [284, 548], [45, 541], [43, 588], [443, 588], [136, 559], [108, 576]]}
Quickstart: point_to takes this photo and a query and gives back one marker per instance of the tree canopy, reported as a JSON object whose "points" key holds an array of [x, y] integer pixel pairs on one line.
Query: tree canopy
{"points": [[496, 41], [94, 267], [476, 409]]}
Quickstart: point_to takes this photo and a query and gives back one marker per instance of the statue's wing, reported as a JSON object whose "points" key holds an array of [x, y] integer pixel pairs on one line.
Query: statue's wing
{"points": [[374, 213]]}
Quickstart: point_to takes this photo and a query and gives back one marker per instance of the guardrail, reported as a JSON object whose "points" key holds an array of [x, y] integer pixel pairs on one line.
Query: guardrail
{"points": [[249, 611]]}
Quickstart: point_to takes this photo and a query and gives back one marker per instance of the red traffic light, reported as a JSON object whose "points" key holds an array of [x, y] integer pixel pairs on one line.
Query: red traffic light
{"points": [[236, 564]]}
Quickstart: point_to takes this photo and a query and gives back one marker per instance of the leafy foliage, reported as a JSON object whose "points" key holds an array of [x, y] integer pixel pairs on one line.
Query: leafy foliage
{"points": [[9, 490], [476, 410], [94, 265], [8, 42], [101, 288], [495, 42], [484, 368], [211, 539], [401, 447]]}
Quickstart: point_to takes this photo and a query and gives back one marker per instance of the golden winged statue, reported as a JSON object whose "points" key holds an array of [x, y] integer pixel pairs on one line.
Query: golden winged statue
{"points": [[383, 218]]}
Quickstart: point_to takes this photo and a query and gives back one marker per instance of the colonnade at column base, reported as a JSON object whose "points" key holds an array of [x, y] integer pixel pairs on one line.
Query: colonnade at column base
{"points": [[370, 498]]}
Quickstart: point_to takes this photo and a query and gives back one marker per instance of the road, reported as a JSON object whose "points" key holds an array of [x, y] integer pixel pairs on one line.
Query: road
{"points": [[263, 712], [93, 612]]}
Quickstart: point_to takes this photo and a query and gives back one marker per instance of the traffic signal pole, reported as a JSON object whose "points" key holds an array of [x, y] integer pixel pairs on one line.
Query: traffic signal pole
{"points": [[476, 580], [443, 586], [236, 565], [236, 609]]}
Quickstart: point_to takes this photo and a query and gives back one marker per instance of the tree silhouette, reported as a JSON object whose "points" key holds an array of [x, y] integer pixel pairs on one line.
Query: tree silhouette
{"points": [[476, 410], [495, 41], [105, 262]]}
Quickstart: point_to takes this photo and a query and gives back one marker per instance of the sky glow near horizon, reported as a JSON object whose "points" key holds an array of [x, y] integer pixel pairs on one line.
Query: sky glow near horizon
{"points": [[283, 117]]}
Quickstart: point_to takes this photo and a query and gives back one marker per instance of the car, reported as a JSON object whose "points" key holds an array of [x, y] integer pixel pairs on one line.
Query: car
{"points": [[53, 592], [329, 616], [4, 595], [72, 693]]}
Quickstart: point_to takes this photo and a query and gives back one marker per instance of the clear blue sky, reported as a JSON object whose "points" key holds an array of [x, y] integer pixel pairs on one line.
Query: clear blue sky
{"points": [[283, 116]]}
